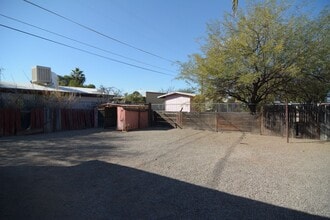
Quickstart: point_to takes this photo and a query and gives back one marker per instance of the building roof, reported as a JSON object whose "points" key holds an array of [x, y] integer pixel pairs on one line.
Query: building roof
{"points": [[176, 93], [148, 92], [51, 88], [125, 106], [152, 97]]}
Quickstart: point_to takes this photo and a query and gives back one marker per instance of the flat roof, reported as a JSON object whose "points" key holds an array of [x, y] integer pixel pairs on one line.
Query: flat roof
{"points": [[51, 88], [125, 106]]}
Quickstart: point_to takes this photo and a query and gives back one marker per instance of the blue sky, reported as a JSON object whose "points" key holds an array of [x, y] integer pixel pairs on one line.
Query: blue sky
{"points": [[171, 29]]}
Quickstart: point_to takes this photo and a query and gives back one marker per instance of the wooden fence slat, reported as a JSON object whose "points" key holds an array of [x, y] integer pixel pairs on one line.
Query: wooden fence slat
{"points": [[11, 122], [223, 121], [17, 120], [2, 123], [304, 120]]}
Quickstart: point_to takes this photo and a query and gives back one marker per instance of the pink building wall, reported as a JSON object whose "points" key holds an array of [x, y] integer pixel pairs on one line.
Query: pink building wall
{"points": [[131, 119], [177, 102]]}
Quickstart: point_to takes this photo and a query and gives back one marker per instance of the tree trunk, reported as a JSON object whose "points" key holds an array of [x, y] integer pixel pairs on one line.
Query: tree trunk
{"points": [[252, 108]]}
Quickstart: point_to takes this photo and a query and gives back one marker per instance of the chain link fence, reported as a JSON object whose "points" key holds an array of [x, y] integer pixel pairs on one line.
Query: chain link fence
{"points": [[201, 107]]}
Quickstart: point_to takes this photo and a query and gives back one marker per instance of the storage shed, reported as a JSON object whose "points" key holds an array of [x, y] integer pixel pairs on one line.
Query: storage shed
{"points": [[125, 117], [177, 101]]}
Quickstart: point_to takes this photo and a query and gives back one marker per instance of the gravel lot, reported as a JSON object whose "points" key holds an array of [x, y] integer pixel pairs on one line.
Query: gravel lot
{"points": [[163, 174]]}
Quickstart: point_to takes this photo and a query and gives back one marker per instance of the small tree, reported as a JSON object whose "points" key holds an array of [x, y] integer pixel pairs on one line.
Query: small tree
{"points": [[64, 80], [77, 78], [91, 86], [134, 98], [108, 93], [198, 103]]}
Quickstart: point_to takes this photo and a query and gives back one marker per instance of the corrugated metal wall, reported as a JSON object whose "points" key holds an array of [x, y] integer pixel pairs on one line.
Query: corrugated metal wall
{"points": [[39, 120], [10, 122]]}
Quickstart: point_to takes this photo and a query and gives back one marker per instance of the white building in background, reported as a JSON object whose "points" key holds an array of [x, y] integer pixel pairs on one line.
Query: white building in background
{"points": [[177, 101]]}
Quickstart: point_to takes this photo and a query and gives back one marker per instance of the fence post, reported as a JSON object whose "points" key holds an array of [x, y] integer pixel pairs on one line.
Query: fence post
{"points": [[216, 122], [287, 121], [179, 119], [150, 114], [96, 117], [261, 119], [139, 118]]}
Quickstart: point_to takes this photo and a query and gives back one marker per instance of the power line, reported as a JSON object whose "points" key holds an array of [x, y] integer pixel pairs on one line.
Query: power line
{"points": [[83, 43], [85, 51], [99, 33]]}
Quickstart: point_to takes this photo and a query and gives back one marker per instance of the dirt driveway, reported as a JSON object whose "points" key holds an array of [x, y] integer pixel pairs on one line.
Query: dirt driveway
{"points": [[163, 174]]}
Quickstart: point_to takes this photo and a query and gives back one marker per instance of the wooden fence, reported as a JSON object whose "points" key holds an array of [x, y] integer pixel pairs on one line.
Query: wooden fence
{"points": [[304, 121], [220, 121], [40, 120], [212, 121]]}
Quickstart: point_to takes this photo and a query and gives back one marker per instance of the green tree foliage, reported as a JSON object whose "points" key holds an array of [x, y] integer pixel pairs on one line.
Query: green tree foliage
{"points": [[261, 54], [75, 79], [91, 86], [313, 82], [134, 98], [198, 103], [186, 90], [64, 80], [172, 89]]}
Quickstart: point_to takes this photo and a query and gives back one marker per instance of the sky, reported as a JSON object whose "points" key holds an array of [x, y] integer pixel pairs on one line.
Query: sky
{"points": [[132, 45]]}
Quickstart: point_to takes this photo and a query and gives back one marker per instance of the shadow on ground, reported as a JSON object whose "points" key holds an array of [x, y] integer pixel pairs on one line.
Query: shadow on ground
{"points": [[69, 148], [99, 190]]}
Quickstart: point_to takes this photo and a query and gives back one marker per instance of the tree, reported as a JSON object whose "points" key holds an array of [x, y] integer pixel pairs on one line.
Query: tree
{"points": [[254, 56], [313, 82], [172, 89], [187, 90], [110, 91], [235, 5], [91, 86], [168, 90], [134, 98], [64, 80], [77, 78]]}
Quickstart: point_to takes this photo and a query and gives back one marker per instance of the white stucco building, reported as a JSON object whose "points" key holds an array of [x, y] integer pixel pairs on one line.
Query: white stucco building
{"points": [[177, 101]]}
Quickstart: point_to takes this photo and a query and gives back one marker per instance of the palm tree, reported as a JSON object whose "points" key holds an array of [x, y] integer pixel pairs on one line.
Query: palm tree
{"points": [[235, 5], [78, 78]]}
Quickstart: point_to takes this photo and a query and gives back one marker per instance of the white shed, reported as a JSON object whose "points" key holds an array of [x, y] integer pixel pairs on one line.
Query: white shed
{"points": [[177, 101]]}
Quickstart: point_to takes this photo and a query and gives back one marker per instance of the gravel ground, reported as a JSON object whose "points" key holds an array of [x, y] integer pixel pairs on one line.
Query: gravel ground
{"points": [[163, 174]]}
